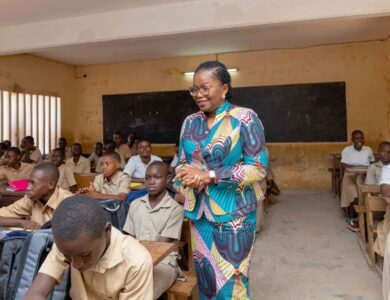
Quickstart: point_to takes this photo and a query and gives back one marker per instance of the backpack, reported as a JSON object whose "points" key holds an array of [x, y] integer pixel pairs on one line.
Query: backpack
{"points": [[116, 212], [33, 253], [10, 246]]}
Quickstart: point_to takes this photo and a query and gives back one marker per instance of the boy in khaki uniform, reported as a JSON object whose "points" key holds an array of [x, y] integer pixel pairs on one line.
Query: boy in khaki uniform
{"points": [[94, 157], [78, 163], [112, 183], [30, 153], [374, 175], [14, 169], [121, 147], [104, 263], [38, 205], [66, 180], [157, 217], [109, 147]]}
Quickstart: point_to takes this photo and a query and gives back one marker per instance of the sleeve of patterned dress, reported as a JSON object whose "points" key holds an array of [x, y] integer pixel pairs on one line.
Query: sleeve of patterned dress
{"points": [[253, 166]]}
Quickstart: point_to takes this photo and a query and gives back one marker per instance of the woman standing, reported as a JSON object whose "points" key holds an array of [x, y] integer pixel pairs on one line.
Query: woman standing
{"points": [[222, 159]]}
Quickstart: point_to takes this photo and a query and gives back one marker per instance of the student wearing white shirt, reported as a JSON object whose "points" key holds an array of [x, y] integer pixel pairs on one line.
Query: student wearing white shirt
{"points": [[136, 166], [385, 191], [352, 156]]}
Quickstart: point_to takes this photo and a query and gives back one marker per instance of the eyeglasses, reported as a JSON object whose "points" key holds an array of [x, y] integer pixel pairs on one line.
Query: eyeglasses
{"points": [[203, 90]]}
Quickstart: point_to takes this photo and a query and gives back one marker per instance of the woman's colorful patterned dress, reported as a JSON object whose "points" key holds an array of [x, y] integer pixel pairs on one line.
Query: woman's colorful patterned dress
{"points": [[224, 215]]}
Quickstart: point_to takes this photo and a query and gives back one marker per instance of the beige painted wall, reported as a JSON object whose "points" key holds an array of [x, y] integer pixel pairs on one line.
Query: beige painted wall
{"points": [[365, 67], [30, 74]]}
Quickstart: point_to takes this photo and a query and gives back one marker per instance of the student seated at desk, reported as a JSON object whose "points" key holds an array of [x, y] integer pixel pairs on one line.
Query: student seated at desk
{"points": [[385, 191], [104, 263], [3, 149], [30, 153], [353, 156], [62, 144], [66, 180], [109, 147], [132, 143], [97, 153], [42, 198], [14, 169], [157, 217], [136, 166], [374, 171], [121, 147], [78, 163], [112, 183], [374, 174]]}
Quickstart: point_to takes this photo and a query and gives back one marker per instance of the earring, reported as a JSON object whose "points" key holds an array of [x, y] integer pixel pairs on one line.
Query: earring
{"points": [[223, 97]]}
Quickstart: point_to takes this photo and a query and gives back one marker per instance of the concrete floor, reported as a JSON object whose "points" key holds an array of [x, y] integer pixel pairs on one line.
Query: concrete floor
{"points": [[304, 251]]}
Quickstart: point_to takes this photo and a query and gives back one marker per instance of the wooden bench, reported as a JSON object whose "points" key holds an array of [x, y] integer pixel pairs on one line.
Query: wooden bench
{"points": [[373, 204], [185, 289]]}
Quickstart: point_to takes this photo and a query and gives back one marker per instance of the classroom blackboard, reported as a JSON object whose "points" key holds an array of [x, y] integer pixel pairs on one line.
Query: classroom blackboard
{"points": [[314, 112]]}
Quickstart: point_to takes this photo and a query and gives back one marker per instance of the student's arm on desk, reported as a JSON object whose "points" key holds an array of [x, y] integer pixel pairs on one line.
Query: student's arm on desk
{"points": [[41, 287], [139, 180], [15, 222], [91, 192]]}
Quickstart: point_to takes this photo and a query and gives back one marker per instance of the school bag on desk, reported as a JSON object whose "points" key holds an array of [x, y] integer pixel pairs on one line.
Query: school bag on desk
{"points": [[116, 212]]}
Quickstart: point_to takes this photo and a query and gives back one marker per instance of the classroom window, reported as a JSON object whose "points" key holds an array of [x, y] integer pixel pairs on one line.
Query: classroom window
{"points": [[27, 114]]}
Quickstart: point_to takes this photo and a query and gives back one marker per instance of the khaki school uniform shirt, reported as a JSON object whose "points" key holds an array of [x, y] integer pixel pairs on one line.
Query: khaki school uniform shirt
{"points": [[35, 155], [7, 173], [93, 159], [149, 224], [99, 167], [124, 150], [83, 165], [374, 173], [25, 208], [66, 179], [124, 272], [120, 183]]}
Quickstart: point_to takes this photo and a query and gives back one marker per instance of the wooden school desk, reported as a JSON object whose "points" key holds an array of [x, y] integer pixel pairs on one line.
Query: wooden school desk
{"points": [[158, 250], [360, 173], [9, 197], [370, 203]]}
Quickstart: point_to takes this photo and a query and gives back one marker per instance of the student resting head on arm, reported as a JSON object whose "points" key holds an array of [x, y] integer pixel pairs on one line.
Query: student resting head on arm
{"points": [[38, 205], [105, 264], [66, 180], [157, 217], [30, 153], [112, 183], [121, 146]]}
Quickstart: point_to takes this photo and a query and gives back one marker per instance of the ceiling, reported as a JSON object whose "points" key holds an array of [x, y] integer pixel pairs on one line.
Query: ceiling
{"points": [[83, 32], [301, 34], [16, 12]]}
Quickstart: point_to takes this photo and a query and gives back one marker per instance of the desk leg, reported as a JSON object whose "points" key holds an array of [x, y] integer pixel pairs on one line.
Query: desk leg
{"points": [[362, 212]]}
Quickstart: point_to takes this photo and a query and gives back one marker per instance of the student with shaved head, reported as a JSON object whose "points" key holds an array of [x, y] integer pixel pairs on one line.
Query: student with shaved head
{"points": [[104, 263], [42, 198]]}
